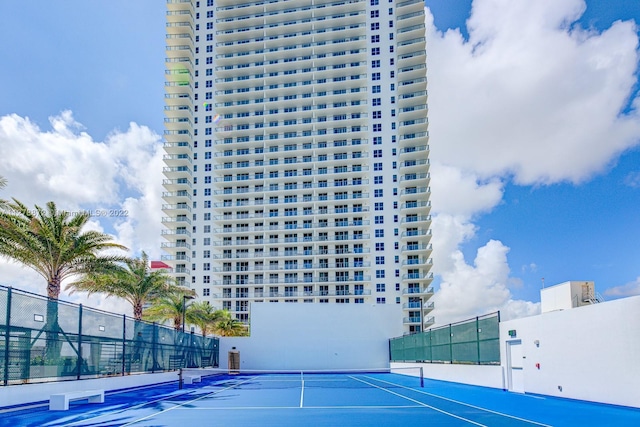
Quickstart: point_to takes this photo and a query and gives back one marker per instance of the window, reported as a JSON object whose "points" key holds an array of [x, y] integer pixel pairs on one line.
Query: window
{"points": [[377, 166], [379, 206], [381, 300], [375, 38], [375, 26], [380, 287], [375, 51], [375, 13], [379, 260], [378, 192], [375, 89], [379, 232], [376, 102], [377, 114], [379, 274], [377, 180]]}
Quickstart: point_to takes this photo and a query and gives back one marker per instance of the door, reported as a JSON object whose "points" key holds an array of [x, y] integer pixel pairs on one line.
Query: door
{"points": [[515, 366]]}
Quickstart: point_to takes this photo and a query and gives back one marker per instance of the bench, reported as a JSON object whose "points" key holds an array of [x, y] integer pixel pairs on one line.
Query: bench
{"points": [[190, 379], [60, 401]]}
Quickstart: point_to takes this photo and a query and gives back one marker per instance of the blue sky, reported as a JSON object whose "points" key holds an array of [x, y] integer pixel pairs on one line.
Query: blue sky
{"points": [[104, 62]]}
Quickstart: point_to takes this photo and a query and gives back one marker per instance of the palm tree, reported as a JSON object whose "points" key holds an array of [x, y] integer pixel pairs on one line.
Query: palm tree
{"points": [[169, 307], [204, 316], [3, 183], [131, 280], [52, 243], [229, 326]]}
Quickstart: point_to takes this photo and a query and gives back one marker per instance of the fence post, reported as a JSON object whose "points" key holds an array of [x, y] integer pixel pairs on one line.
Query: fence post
{"points": [[6, 338], [450, 343], [154, 342], [124, 341], [478, 337], [79, 360]]}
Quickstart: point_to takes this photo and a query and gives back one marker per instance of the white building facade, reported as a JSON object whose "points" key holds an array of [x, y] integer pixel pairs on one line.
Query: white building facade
{"points": [[297, 156]]}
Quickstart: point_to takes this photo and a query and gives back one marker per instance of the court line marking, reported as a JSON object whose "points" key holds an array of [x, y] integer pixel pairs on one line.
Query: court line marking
{"points": [[189, 402], [333, 408], [461, 403], [142, 405], [418, 402], [138, 406]]}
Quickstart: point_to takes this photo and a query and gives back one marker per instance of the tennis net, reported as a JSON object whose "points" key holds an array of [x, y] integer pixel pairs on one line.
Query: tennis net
{"points": [[281, 379]]}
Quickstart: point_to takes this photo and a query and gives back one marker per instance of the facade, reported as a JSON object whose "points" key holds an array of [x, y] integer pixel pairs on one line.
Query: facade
{"points": [[297, 156]]}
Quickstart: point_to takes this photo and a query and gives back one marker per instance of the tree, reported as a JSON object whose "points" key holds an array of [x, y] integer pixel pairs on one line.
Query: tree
{"points": [[169, 308], [3, 183], [204, 316], [132, 280], [53, 243], [229, 326]]}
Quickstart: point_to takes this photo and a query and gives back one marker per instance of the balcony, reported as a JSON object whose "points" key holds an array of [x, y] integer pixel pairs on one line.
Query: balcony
{"points": [[418, 291]]}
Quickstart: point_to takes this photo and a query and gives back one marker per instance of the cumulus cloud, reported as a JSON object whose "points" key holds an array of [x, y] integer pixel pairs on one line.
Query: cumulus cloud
{"points": [[119, 180], [626, 290], [530, 97], [530, 90]]}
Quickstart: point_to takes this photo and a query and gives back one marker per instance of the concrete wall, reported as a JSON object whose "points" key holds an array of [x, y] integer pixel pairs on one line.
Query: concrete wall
{"points": [[588, 353], [316, 336], [480, 375], [28, 393]]}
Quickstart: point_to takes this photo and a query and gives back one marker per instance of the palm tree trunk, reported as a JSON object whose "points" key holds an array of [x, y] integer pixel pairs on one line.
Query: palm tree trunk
{"points": [[53, 345], [137, 311]]}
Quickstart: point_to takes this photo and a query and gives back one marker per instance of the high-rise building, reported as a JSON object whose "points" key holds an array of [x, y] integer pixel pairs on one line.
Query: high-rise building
{"points": [[297, 156]]}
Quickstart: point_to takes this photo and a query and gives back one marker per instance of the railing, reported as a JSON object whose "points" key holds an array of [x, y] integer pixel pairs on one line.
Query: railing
{"points": [[45, 340]]}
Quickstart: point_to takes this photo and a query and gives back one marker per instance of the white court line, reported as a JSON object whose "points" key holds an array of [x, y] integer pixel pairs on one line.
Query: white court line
{"points": [[461, 403], [141, 405], [333, 408], [419, 403], [189, 402]]}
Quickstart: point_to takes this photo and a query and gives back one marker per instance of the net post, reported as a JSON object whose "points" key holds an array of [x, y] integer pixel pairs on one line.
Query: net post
{"points": [[180, 379], [421, 377]]}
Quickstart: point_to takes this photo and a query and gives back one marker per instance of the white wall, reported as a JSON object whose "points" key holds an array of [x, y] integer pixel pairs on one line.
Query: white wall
{"points": [[480, 375], [591, 352], [316, 336], [28, 393]]}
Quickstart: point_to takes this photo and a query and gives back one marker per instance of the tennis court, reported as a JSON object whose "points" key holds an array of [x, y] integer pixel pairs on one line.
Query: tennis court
{"points": [[323, 399]]}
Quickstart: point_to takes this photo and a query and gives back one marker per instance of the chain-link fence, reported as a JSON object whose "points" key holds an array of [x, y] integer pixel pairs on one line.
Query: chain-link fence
{"points": [[473, 341], [51, 340]]}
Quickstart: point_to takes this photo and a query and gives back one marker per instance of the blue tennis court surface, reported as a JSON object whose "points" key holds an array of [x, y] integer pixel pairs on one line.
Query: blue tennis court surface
{"points": [[354, 399]]}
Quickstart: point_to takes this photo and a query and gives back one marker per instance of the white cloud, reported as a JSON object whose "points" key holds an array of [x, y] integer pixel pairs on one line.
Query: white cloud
{"points": [[626, 290], [471, 290], [632, 180], [120, 177], [530, 97]]}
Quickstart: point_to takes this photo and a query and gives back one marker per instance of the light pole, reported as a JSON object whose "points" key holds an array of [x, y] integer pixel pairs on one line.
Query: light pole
{"points": [[184, 309]]}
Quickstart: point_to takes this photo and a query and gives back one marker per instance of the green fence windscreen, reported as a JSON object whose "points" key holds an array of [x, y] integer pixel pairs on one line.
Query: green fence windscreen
{"points": [[473, 341], [50, 340]]}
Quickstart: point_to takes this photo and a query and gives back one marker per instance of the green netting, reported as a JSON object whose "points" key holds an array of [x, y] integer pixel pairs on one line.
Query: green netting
{"points": [[50, 340], [474, 341]]}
